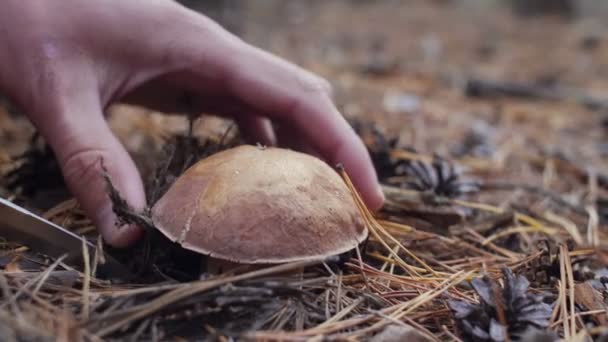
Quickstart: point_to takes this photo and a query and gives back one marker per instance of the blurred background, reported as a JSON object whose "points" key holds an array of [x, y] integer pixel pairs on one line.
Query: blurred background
{"points": [[499, 86]]}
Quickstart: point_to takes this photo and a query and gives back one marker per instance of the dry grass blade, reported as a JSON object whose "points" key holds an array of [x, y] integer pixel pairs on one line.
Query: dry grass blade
{"points": [[569, 226], [593, 236], [518, 230], [570, 285], [563, 297], [338, 316], [86, 284], [403, 309]]}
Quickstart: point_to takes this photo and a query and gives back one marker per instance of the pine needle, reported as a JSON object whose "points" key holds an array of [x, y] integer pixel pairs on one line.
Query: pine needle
{"points": [[86, 283]]}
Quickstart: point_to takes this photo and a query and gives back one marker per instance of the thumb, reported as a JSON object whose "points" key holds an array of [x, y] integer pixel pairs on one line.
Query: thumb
{"points": [[81, 138]]}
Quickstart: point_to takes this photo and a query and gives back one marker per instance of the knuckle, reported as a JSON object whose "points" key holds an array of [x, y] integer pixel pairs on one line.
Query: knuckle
{"points": [[84, 166], [49, 54], [48, 78], [326, 86], [181, 45], [315, 84], [315, 91], [51, 79]]}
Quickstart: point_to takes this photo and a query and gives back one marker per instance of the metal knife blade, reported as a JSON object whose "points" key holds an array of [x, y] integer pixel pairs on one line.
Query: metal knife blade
{"points": [[20, 225]]}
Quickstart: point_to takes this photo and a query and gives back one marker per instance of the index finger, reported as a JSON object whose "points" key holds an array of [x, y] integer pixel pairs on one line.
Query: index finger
{"points": [[283, 90]]}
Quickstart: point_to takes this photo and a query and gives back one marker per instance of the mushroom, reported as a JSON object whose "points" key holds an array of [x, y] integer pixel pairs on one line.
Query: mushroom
{"points": [[252, 205]]}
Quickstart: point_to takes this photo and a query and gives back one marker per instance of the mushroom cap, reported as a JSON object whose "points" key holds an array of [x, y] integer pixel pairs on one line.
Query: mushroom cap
{"points": [[261, 205]]}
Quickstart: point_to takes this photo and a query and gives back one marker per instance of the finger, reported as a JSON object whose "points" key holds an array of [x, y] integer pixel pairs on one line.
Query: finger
{"points": [[81, 138], [290, 94], [256, 129], [305, 101], [289, 136], [173, 93]]}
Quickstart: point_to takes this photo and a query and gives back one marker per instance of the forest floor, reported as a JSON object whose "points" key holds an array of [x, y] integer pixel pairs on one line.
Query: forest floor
{"points": [[490, 134]]}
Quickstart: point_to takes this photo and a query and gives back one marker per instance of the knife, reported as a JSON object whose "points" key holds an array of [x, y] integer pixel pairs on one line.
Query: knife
{"points": [[20, 225]]}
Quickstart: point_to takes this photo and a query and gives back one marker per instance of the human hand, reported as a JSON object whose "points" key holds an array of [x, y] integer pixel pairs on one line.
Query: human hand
{"points": [[64, 62]]}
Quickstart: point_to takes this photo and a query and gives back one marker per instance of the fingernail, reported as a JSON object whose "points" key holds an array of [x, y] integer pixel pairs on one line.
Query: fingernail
{"points": [[380, 192], [379, 198]]}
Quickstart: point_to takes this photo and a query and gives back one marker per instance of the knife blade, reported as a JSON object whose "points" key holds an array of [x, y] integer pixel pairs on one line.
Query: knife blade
{"points": [[20, 225]]}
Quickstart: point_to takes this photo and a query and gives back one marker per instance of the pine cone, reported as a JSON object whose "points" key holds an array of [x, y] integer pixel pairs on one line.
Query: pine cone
{"points": [[523, 310], [438, 177]]}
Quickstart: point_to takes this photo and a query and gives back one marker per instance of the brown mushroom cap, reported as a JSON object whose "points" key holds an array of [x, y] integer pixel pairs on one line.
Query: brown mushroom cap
{"points": [[253, 205]]}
